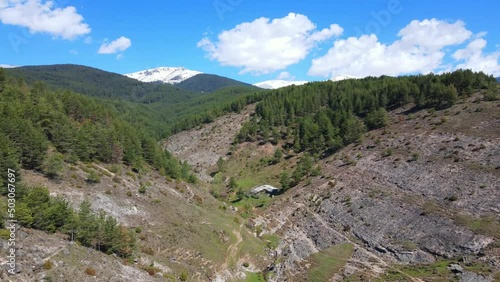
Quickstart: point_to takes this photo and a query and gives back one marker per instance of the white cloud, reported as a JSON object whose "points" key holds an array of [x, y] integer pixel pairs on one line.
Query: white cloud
{"points": [[264, 45], [120, 56], [73, 52], [433, 34], [88, 40], [419, 49], [472, 57], [118, 45], [42, 17], [285, 76]]}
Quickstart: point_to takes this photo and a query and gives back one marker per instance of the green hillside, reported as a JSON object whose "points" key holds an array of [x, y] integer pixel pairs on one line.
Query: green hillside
{"points": [[157, 108], [98, 83], [42, 128], [209, 82], [321, 118]]}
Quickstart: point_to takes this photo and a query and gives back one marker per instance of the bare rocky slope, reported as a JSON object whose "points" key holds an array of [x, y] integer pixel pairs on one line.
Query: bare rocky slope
{"points": [[416, 201], [203, 146], [181, 230]]}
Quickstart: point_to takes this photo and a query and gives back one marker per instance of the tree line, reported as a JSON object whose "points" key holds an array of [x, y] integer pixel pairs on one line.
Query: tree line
{"points": [[35, 208], [41, 127], [322, 117]]}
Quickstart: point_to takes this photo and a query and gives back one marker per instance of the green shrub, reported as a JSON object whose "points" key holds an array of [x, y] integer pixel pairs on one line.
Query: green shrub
{"points": [[53, 165], [414, 157], [5, 234], [377, 119], [183, 276], [142, 189], [93, 177], [388, 152], [47, 265], [114, 168]]}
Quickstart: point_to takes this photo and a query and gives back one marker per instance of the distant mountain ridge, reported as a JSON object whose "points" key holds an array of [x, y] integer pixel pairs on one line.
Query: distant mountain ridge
{"points": [[159, 107], [98, 83], [204, 82], [277, 83], [343, 77], [170, 75], [5, 66]]}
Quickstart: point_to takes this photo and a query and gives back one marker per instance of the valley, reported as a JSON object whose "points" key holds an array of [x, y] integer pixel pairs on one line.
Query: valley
{"points": [[380, 179]]}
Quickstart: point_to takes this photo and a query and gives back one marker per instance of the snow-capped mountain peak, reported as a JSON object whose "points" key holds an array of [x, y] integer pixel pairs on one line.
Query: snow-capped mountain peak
{"points": [[343, 77], [5, 66], [274, 84], [169, 75]]}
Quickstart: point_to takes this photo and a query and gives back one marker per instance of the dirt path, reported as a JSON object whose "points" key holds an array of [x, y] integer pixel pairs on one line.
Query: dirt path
{"points": [[191, 196], [54, 253], [232, 250], [104, 169]]}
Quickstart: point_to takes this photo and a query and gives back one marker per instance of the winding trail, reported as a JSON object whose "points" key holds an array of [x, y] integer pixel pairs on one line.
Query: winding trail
{"points": [[232, 250], [54, 253]]}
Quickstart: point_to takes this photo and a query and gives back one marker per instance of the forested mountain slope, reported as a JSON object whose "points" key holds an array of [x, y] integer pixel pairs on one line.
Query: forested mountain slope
{"points": [[160, 108], [41, 128], [98, 83], [385, 179], [324, 116], [210, 82], [82, 173]]}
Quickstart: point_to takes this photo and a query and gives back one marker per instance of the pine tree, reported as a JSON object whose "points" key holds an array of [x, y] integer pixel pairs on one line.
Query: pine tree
{"points": [[277, 156], [2, 79], [38, 201], [9, 159], [53, 165], [232, 183], [353, 129], [111, 235], [23, 214], [56, 214], [377, 119], [284, 180], [86, 226], [449, 96], [492, 92]]}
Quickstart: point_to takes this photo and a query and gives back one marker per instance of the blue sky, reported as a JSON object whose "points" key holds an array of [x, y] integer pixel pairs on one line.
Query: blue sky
{"points": [[255, 40]]}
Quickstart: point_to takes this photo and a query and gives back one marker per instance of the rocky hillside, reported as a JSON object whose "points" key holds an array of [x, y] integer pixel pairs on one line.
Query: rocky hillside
{"points": [[414, 200], [181, 231], [417, 200], [422, 191], [203, 146]]}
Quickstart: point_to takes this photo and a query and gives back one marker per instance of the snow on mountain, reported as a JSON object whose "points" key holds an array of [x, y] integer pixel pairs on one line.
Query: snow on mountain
{"points": [[7, 66], [343, 77], [274, 84], [169, 75]]}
